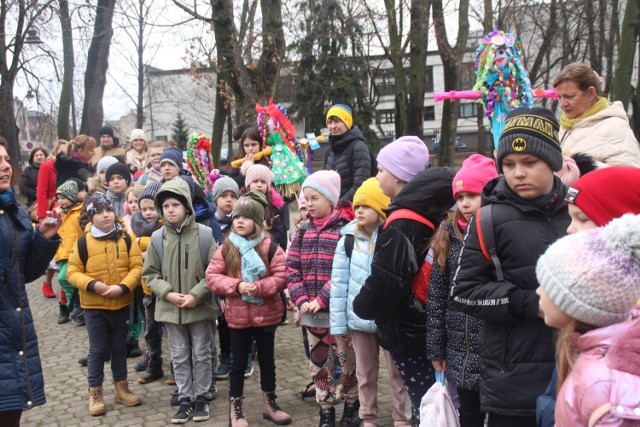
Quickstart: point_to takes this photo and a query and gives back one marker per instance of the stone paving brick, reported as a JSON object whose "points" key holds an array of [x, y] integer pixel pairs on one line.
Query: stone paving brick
{"points": [[67, 394]]}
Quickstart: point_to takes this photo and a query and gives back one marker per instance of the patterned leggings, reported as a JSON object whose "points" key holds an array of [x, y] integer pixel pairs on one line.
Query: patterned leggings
{"points": [[417, 374], [324, 348]]}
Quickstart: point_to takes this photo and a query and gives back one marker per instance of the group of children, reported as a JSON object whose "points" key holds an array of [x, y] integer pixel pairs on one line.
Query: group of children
{"points": [[413, 265]]}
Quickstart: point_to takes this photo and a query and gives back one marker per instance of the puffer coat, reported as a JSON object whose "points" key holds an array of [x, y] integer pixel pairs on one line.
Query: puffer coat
{"points": [[452, 335], [241, 314], [353, 164], [69, 231], [347, 278], [24, 256]]}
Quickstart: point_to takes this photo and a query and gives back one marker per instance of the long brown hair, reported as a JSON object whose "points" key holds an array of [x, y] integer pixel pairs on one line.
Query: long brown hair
{"points": [[232, 257], [441, 242], [565, 350], [250, 133]]}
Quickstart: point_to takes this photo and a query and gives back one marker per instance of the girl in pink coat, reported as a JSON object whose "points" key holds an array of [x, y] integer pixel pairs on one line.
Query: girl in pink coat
{"points": [[248, 272], [589, 283]]}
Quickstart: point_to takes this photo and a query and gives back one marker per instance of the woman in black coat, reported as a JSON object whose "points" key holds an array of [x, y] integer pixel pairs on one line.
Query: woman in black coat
{"points": [[20, 368], [29, 178]]}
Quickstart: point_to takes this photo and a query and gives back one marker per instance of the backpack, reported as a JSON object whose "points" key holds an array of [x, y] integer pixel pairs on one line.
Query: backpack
{"points": [[420, 282], [487, 239], [83, 251], [349, 153], [205, 237]]}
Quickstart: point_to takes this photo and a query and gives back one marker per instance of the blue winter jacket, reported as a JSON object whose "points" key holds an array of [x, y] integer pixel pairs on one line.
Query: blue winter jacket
{"points": [[21, 380], [347, 277]]}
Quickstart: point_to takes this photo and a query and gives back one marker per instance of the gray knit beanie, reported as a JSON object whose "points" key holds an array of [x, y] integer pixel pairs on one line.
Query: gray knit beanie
{"points": [[222, 185], [594, 276], [150, 191], [531, 131]]}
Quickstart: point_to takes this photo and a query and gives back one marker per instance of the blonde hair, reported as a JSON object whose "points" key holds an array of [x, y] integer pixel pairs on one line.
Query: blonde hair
{"points": [[232, 257], [156, 143], [56, 147], [357, 232], [81, 142], [136, 190], [565, 350]]}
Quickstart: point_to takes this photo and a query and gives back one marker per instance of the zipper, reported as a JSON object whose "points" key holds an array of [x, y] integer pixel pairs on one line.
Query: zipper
{"points": [[186, 256], [179, 275]]}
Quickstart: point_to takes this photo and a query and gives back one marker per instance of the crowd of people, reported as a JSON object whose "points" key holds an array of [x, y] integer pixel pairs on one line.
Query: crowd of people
{"points": [[518, 277]]}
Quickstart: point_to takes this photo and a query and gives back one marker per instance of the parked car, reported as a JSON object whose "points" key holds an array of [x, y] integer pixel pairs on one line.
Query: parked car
{"points": [[460, 146]]}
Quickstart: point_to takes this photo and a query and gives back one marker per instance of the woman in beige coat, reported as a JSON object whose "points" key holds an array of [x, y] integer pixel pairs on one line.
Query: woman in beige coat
{"points": [[589, 124]]}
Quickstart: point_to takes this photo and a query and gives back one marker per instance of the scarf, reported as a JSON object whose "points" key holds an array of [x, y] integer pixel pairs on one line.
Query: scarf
{"points": [[224, 222], [114, 234], [142, 227], [599, 105], [7, 198], [462, 223], [321, 223], [252, 266]]}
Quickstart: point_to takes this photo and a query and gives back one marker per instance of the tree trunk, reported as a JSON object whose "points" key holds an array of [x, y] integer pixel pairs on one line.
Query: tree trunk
{"points": [[8, 127], [95, 77], [140, 101], [621, 86], [395, 54], [418, 38], [219, 118], [66, 92]]}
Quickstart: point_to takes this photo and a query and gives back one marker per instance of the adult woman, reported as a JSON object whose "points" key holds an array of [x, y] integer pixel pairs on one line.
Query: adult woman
{"points": [[348, 153], [136, 155], [589, 124], [74, 163], [29, 178], [20, 369]]}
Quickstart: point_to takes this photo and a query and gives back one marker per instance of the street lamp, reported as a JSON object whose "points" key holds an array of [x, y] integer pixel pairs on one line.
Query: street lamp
{"points": [[32, 37]]}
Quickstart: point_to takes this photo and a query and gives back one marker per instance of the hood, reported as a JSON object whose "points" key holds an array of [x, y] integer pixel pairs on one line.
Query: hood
{"points": [[497, 191], [429, 194], [340, 142], [276, 199], [624, 353], [175, 186]]}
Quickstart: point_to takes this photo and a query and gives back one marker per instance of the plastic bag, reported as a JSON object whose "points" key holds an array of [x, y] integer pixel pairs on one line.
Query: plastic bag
{"points": [[437, 408]]}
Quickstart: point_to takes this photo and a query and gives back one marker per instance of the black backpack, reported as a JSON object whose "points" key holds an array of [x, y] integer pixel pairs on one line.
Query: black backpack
{"points": [[83, 251]]}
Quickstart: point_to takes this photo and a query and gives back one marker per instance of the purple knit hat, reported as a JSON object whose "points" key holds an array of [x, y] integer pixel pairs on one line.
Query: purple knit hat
{"points": [[404, 158], [594, 276]]}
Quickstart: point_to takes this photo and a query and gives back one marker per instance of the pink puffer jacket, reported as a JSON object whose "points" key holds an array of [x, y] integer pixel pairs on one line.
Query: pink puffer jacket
{"points": [[238, 313], [605, 379]]}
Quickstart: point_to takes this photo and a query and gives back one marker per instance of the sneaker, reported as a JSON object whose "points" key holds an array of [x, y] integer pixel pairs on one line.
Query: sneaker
{"points": [[143, 363], [63, 315], [77, 317], [224, 367], [249, 370], [175, 398], [84, 359], [184, 412], [213, 391], [201, 409]]}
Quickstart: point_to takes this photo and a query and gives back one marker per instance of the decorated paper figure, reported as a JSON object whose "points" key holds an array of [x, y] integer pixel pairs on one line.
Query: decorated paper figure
{"points": [[199, 161]]}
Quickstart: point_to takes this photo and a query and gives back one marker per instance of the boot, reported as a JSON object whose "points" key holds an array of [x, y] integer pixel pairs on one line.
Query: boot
{"points": [[271, 411], [350, 416], [236, 416], [133, 348], [153, 372], [63, 314], [143, 363], [47, 290], [96, 401], [327, 417], [124, 396]]}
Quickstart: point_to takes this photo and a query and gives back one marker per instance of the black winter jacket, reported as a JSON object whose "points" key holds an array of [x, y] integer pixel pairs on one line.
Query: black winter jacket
{"points": [[516, 347], [353, 168], [69, 166], [452, 335], [29, 182], [400, 250]]}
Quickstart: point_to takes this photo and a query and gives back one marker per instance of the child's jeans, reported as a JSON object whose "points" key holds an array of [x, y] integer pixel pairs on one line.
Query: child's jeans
{"points": [[107, 334], [183, 340], [324, 349], [241, 340], [367, 352], [152, 331]]}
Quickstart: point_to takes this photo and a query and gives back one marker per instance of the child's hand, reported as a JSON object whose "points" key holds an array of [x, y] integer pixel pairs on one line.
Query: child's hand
{"points": [[175, 298], [251, 289], [304, 308], [188, 301], [112, 292], [439, 365], [314, 306], [100, 288]]}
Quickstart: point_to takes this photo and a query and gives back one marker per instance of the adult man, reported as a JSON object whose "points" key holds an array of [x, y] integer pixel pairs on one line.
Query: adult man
{"points": [[108, 145]]}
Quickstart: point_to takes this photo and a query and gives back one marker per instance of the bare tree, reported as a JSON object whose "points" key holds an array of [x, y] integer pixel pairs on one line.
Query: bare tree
{"points": [[621, 86], [66, 103], [452, 63]]}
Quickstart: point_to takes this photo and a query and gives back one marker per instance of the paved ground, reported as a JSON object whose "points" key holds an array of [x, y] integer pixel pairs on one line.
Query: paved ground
{"points": [[66, 384]]}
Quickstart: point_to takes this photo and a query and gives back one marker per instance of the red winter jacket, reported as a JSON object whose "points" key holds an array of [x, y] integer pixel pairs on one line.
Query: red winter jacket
{"points": [[238, 313], [46, 190]]}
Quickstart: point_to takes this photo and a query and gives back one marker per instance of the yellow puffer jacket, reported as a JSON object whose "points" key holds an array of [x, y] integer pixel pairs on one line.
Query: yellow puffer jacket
{"points": [[69, 231], [143, 243], [109, 263]]}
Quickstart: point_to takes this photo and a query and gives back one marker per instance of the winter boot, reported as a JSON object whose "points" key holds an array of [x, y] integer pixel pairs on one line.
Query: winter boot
{"points": [[236, 416], [63, 314], [153, 372], [350, 417], [47, 290], [96, 401], [271, 411], [133, 347], [143, 363], [224, 367], [124, 396], [327, 417]]}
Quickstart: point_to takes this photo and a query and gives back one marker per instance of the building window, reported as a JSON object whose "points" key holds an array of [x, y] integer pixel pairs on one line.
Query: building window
{"points": [[468, 111], [429, 113], [162, 138], [386, 116], [428, 80]]}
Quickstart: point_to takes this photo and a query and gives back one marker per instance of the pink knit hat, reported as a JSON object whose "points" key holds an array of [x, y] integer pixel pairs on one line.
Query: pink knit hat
{"points": [[474, 174], [256, 172], [404, 158], [326, 183]]}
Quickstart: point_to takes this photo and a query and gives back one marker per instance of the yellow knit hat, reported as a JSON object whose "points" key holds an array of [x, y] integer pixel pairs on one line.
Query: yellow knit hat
{"points": [[370, 194], [343, 112]]}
